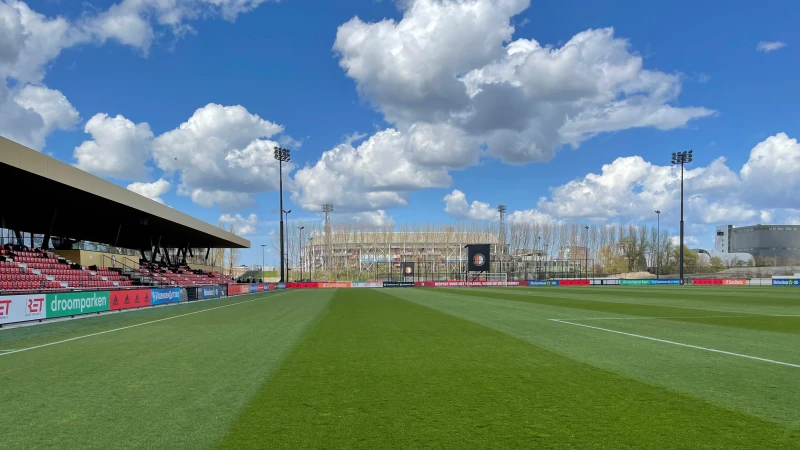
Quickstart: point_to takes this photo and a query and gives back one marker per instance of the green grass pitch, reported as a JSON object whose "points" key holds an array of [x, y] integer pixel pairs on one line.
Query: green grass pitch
{"points": [[552, 367]]}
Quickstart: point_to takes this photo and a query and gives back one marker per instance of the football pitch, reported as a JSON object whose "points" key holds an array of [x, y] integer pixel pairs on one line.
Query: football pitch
{"points": [[603, 367]]}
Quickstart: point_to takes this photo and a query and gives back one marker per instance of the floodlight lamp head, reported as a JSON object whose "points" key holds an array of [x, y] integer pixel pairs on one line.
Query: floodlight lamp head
{"points": [[658, 212]]}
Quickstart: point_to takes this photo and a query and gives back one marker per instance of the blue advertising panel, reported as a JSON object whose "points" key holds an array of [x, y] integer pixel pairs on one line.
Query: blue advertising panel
{"points": [[253, 288], [669, 281], [538, 283], [206, 292], [280, 286], [785, 282], [165, 296]]}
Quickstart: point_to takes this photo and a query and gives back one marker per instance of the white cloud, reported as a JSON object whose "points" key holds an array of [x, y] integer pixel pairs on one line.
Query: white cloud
{"points": [[222, 155], [377, 218], [30, 42], [455, 86], [119, 148], [456, 205], [773, 170], [383, 170], [242, 226], [767, 46], [530, 216], [632, 188], [153, 190], [454, 62]]}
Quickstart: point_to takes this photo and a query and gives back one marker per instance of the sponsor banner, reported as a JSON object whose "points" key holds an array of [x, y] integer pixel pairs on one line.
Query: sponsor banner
{"points": [[667, 281], [337, 285], [539, 283], [574, 282], [368, 284], [271, 286], [304, 285], [469, 283], [260, 287], [785, 282], [218, 292], [73, 303], [635, 282], [398, 284], [19, 308], [253, 288], [734, 282], [205, 292], [165, 296], [706, 282], [280, 286], [134, 298]]}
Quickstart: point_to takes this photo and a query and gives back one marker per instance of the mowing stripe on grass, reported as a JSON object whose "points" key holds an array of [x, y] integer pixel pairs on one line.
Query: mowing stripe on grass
{"points": [[679, 344], [134, 326], [381, 372], [681, 317]]}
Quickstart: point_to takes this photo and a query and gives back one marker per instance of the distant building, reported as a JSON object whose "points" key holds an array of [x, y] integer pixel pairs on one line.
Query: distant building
{"points": [[765, 241]]}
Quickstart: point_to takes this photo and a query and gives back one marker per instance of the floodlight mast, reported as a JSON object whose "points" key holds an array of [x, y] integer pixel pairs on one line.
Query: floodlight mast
{"points": [[682, 158], [282, 155]]}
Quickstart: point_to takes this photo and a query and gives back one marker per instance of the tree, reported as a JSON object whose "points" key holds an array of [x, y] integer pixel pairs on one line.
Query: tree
{"points": [[610, 261], [717, 265], [233, 254]]}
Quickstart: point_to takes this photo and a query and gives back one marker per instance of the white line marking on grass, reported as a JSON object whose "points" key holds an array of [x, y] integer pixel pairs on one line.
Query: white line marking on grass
{"points": [[681, 317], [679, 344], [137, 325]]}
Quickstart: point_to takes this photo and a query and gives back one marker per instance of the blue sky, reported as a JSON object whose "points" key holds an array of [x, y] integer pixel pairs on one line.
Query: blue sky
{"points": [[417, 111]]}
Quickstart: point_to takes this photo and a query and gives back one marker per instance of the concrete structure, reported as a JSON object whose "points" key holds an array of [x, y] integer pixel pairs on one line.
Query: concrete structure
{"points": [[761, 241], [361, 251]]}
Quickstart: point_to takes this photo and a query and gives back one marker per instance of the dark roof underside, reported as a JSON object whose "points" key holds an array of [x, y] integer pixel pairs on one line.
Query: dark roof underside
{"points": [[44, 196]]}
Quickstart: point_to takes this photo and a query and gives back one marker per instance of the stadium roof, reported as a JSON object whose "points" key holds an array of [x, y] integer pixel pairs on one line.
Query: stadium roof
{"points": [[42, 195]]}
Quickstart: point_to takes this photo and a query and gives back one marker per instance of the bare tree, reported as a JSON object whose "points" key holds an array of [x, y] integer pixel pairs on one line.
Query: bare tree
{"points": [[233, 254]]}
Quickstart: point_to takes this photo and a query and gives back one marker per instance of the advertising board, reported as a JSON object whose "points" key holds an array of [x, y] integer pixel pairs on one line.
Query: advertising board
{"points": [[396, 284], [785, 282], [667, 281], [280, 286], [19, 308], [734, 282], [539, 283], [469, 283], [707, 282], [335, 285], [366, 284], [260, 287], [73, 303], [165, 296], [635, 282], [205, 292], [134, 298], [574, 282], [253, 288], [304, 285], [271, 286]]}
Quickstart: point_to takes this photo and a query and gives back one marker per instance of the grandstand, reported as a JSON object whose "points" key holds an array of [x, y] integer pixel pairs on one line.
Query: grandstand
{"points": [[64, 206]]}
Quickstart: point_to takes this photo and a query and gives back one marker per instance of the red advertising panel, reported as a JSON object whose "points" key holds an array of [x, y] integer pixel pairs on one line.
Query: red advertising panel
{"points": [[260, 287], [734, 282], [706, 281], [574, 282], [272, 286], [302, 285], [238, 289], [133, 298]]}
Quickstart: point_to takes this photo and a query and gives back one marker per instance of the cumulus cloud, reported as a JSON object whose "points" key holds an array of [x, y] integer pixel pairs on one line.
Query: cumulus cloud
{"points": [[633, 188], [242, 226], [767, 46], [456, 205], [222, 155], [119, 148], [383, 170], [153, 190], [455, 63], [377, 218], [30, 42], [456, 86]]}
